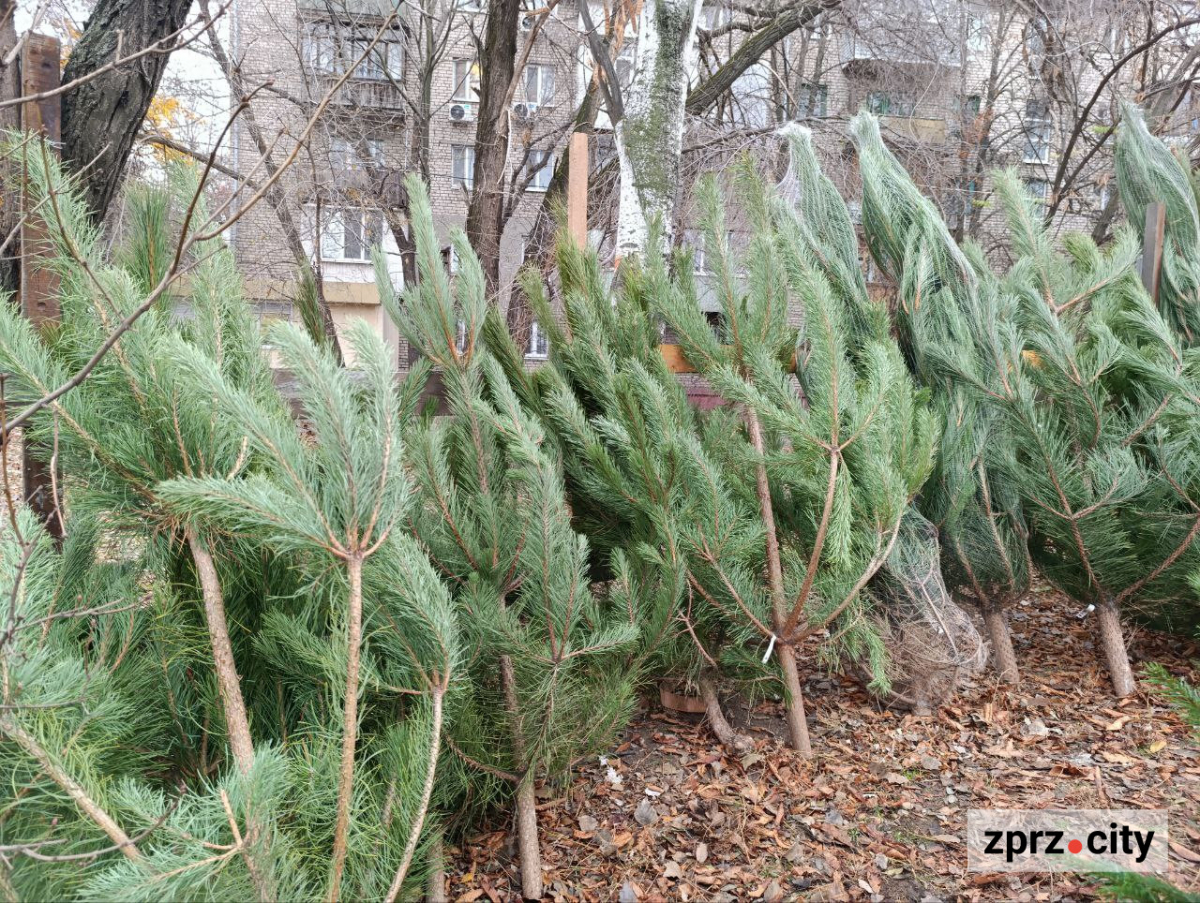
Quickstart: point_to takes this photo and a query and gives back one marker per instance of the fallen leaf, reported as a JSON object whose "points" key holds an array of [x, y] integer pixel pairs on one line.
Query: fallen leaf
{"points": [[701, 853]]}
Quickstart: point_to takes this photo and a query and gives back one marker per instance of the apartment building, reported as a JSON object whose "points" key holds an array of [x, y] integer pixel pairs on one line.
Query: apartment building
{"points": [[961, 88]]}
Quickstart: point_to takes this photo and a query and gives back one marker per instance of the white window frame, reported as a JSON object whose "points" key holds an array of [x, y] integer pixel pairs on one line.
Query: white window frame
{"points": [[539, 343], [539, 72], [462, 166], [466, 80], [331, 241], [1039, 132], [345, 153], [1042, 196], [818, 91], [540, 164]]}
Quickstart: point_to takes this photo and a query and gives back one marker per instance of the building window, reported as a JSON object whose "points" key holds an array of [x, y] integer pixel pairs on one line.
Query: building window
{"points": [[329, 49], [466, 81], [539, 343], [538, 85], [1039, 190], [470, 6], [881, 103], [977, 34], [812, 101], [350, 234], [463, 157], [349, 155], [539, 170], [1037, 132]]}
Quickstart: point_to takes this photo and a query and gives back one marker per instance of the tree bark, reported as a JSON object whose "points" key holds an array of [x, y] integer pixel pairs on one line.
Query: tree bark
{"points": [[1112, 641], [729, 738], [794, 702], [1003, 657], [525, 814], [485, 213], [102, 116], [435, 885], [349, 725], [237, 724], [702, 98], [649, 136]]}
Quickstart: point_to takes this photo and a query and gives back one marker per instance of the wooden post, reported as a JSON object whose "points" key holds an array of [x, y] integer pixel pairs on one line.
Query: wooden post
{"points": [[1152, 247], [577, 188], [40, 62]]}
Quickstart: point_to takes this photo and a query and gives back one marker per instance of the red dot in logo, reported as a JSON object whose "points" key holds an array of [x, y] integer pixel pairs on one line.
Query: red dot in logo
{"points": [[1075, 846]]}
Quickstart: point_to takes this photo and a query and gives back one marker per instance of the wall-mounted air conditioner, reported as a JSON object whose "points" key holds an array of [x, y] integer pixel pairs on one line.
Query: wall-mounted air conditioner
{"points": [[523, 110], [527, 22], [462, 112]]}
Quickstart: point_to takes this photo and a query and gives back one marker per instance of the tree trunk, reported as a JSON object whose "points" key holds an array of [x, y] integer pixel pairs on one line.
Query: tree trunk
{"points": [[237, 724], [525, 815], [485, 213], [349, 725], [1112, 640], [435, 884], [794, 702], [1003, 657], [729, 738], [649, 136], [101, 117]]}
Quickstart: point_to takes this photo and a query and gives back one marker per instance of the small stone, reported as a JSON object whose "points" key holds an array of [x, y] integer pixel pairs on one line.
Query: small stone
{"points": [[629, 893], [588, 824], [833, 817], [929, 763], [645, 814], [881, 861]]}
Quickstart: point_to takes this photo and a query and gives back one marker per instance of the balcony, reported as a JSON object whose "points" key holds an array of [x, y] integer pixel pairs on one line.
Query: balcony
{"points": [[921, 129], [365, 94]]}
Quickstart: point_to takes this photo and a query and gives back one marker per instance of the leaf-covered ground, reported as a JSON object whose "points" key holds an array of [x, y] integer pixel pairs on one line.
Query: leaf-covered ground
{"points": [[880, 814]]}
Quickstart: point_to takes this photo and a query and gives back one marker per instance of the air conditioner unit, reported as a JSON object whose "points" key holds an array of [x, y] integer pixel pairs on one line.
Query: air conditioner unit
{"points": [[462, 112], [523, 110], [527, 22]]}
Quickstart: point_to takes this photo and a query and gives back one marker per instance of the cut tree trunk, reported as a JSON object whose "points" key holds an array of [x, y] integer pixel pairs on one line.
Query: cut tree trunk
{"points": [[794, 702], [1003, 657], [526, 805], [729, 737], [1112, 640], [435, 884]]}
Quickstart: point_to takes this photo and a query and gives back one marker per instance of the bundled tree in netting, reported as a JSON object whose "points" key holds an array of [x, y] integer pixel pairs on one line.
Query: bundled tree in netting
{"points": [[210, 623], [549, 674], [984, 554], [1093, 386], [1148, 171]]}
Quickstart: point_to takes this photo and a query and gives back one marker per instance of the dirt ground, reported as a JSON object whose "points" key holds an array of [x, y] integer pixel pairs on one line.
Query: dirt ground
{"points": [[880, 814]]}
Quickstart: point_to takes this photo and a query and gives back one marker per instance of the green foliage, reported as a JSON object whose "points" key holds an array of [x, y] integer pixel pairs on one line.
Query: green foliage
{"points": [[110, 682], [548, 655], [1179, 692], [1131, 887], [1147, 171]]}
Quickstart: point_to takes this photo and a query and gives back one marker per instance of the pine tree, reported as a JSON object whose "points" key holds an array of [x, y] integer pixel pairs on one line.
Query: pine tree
{"points": [[176, 727], [549, 674], [978, 518], [1093, 386], [1148, 171]]}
